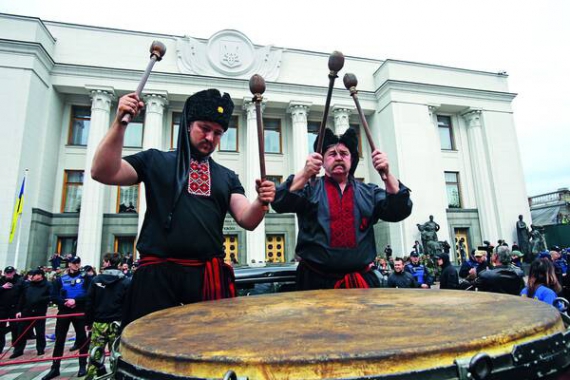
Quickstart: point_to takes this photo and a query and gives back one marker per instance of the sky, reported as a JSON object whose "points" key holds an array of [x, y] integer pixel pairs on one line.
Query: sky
{"points": [[527, 39]]}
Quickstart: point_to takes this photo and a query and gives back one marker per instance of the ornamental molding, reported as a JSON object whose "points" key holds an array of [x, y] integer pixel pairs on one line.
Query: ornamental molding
{"points": [[441, 90], [473, 118], [229, 53], [299, 111], [249, 107], [101, 97], [155, 103]]}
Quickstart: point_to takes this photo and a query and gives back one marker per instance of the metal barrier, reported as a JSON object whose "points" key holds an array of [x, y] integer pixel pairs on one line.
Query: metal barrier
{"points": [[25, 332]]}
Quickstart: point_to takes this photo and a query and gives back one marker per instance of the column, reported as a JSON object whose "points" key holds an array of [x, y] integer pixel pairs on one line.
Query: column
{"points": [[341, 118], [482, 176], [155, 104], [255, 240], [299, 112], [92, 201]]}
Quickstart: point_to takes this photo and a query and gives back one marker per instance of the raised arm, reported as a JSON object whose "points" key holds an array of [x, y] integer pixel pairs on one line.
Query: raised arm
{"points": [[249, 215], [312, 168], [381, 164], [108, 166]]}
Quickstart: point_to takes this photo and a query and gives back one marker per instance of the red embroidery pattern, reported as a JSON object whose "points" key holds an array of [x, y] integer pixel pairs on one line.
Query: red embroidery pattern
{"points": [[343, 233], [199, 181]]}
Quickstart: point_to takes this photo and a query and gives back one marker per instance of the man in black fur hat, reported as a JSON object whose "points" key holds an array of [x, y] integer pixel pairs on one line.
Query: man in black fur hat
{"points": [[336, 214], [188, 195]]}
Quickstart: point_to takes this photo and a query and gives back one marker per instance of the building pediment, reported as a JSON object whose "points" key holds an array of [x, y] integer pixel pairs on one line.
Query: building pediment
{"points": [[228, 53]]}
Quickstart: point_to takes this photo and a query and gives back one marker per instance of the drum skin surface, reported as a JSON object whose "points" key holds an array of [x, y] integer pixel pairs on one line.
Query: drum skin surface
{"points": [[334, 333]]}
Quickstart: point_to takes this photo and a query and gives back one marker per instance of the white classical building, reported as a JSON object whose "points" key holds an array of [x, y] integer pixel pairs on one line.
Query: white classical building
{"points": [[449, 134]]}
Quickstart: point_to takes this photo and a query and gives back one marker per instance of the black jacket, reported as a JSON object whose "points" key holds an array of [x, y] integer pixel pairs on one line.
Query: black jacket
{"points": [[449, 279], [402, 280], [35, 297], [105, 297], [506, 279], [9, 298]]}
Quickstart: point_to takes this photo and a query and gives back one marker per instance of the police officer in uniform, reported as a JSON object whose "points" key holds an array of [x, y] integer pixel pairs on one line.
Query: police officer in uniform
{"points": [[69, 292], [419, 271]]}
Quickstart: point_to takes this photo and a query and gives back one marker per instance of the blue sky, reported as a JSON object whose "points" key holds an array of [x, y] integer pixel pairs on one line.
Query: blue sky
{"points": [[527, 39]]}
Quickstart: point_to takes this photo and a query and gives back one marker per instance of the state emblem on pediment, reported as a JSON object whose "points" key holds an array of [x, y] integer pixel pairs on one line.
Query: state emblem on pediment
{"points": [[229, 53]]}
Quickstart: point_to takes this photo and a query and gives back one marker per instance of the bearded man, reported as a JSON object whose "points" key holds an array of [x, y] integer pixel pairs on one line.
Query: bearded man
{"points": [[188, 195]]}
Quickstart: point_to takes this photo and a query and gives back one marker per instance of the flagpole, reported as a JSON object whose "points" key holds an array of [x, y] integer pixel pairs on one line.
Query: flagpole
{"points": [[17, 254]]}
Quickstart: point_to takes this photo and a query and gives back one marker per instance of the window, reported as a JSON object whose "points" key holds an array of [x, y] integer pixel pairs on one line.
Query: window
{"points": [[276, 179], [231, 249], [67, 245], [445, 132], [176, 116], [452, 186], [272, 135], [356, 127], [72, 189], [134, 133], [125, 245], [128, 199], [79, 126], [312, 134], [229, 140], [275, 248]]}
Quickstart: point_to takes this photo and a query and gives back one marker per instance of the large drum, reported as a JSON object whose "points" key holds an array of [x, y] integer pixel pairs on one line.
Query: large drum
{"points": [[347, 334]]}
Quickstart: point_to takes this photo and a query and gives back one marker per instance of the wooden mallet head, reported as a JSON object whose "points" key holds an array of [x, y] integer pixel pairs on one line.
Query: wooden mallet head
{"points": [[336, 62], [350, 82], [157, 49], [257, 84]]}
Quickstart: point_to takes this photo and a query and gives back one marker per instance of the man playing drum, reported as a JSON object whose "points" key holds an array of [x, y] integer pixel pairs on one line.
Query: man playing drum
{"points": [[188, 195], [337, 213]]}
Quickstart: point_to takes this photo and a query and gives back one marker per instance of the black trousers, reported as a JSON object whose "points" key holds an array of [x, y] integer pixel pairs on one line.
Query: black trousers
{"points": [[39, 327], [61, 329], [5, 327], [160, 286]]}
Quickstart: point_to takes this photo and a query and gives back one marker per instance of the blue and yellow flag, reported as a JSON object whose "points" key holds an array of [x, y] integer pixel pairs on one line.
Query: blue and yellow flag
{"points": [[17, 210]]}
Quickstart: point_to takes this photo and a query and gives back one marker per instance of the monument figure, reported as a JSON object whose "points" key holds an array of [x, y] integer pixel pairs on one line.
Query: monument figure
{"points": [[523, 238], [537, 239], [428, 232]]}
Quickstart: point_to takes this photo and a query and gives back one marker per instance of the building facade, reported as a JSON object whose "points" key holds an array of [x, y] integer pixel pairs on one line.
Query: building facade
{"points": [[449, 134]]}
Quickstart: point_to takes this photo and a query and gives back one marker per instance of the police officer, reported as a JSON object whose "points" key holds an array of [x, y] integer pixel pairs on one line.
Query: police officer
{"points": [[69, 292], [10, 289], [34, 302], [419, 271]]}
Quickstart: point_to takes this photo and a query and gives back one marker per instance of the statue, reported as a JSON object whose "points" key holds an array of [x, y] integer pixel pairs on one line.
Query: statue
{"points": [[523, 237], [537, 239], [428, 232]]}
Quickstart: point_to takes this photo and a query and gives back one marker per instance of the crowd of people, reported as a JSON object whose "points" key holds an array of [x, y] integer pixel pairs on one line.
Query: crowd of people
{"points": [[495, 269], [91, 302]]}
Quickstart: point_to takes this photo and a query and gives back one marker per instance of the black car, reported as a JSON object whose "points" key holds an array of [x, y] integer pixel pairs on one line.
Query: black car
{"points": [[272, 278]]}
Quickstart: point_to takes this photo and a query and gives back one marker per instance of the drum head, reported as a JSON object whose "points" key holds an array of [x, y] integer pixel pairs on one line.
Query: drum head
{"points": [[334, 333]]}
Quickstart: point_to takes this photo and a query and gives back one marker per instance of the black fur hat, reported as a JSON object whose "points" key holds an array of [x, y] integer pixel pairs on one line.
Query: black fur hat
{"points": [[209, 105], [349, 139]]}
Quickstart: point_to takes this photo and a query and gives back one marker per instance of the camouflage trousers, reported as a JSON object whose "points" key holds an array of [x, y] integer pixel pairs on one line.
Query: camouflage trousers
{"points": [[102, 334]]}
